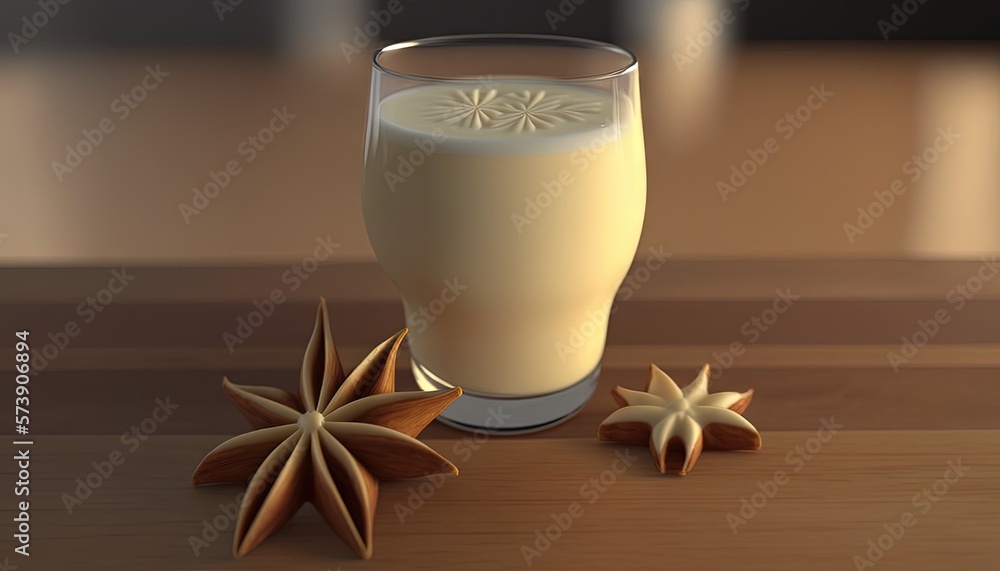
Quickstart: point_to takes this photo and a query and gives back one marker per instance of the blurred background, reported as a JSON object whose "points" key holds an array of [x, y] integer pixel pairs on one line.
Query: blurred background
{"points": [[116, 114]]}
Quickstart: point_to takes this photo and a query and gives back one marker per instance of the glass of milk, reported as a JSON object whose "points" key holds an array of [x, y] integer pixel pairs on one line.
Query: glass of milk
{"points": [[504, 195]]}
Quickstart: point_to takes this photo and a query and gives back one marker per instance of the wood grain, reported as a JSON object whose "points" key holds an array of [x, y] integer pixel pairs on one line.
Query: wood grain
{"points": [[757, 356], [790, 398], [143, 514], [692, 322]]}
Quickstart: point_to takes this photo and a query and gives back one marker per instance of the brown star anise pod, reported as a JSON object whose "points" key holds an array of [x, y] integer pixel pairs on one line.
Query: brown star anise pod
{"points": [[685, 421], [330, 446]]}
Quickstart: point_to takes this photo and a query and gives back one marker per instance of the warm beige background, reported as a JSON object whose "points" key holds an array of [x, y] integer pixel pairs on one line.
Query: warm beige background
{"points": [[122, 203]]}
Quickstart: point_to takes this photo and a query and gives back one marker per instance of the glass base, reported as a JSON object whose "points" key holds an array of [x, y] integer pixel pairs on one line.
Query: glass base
{"points": [[508, 415]]}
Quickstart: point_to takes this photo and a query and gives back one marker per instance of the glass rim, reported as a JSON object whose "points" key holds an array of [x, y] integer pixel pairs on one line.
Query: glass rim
{"points": [[507, 39]]}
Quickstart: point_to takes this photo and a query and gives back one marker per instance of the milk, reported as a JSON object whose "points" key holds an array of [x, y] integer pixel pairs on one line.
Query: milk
{"points": [[507, 216]]}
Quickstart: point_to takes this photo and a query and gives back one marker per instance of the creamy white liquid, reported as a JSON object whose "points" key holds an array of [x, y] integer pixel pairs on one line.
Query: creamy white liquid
{"points": [[507, 216]]}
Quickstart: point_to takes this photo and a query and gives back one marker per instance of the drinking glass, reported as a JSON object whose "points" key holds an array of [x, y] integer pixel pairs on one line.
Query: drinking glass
{"points": [[504, 195]]}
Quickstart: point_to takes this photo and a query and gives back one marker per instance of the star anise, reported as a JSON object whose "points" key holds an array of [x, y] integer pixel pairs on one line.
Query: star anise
{"points": [[330, 445], [686, 421]]}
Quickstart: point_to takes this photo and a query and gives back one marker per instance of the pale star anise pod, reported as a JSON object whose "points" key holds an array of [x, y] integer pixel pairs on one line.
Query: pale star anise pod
{"points": [[686, 421], [330, 445]]}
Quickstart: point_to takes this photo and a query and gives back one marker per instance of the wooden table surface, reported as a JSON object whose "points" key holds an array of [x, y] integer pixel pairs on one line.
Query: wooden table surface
{"points": [[824, 361], [819, 516]]}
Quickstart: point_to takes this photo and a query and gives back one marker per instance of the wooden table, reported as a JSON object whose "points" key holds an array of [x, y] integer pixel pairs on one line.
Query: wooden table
{"points": [[824, 362], [823, 513]]}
